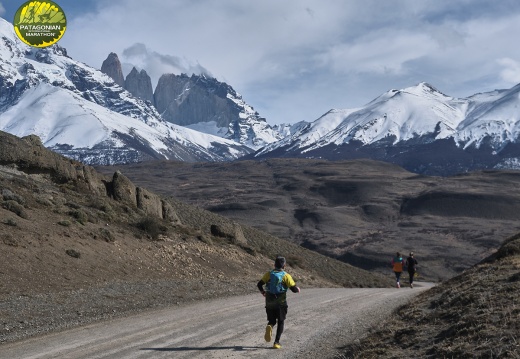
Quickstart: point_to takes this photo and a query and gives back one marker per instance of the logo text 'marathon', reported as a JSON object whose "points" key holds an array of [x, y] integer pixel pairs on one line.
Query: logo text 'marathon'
{"points": [[40, 23]]}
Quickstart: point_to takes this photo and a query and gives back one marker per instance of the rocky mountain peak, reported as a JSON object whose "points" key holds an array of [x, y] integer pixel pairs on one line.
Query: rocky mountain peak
{"points": [[112, 67], [205, 104], [187, 100], [139, 84]]}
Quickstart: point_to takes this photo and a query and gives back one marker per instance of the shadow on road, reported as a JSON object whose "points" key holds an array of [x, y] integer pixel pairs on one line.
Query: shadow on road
{"points": [[236, 348]]}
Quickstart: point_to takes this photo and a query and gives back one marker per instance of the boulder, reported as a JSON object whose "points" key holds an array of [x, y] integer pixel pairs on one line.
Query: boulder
{"points": [[169, 214], [123, 189], [149, 202]]}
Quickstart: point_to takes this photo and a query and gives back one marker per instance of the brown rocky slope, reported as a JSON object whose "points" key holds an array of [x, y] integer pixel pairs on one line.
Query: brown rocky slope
{"points": [[473, 315], [77, 246]]}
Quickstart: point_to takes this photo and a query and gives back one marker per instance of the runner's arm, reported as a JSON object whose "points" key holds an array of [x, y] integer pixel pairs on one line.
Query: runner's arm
{"points": [[295, 289], [263, 281], [260, 286]]}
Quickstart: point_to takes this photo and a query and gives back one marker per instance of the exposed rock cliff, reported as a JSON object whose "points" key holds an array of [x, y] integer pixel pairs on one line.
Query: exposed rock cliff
{"points": [[187, 100], [208, 105], [139, 84], [30, 156], [112, 67]]}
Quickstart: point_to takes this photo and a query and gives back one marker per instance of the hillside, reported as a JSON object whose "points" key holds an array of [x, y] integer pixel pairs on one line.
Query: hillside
{"points": [[359, 211], [78, 246], [474, 315]]}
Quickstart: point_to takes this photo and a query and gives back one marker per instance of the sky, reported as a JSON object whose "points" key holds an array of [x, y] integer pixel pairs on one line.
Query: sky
{"points": [[294, 60]]}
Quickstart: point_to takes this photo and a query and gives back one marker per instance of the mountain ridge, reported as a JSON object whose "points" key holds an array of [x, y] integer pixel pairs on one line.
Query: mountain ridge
{"points": [[416, 119], [199, 102], [121, 127]]}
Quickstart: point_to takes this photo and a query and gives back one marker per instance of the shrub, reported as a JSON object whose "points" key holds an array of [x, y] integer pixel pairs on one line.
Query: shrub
{"points": [[9, 240], [80, 216], [152, 226], [73, 253], [10, 222], [9, 195], [73, 205], [15, 207], [295, 261], [107, 235]]}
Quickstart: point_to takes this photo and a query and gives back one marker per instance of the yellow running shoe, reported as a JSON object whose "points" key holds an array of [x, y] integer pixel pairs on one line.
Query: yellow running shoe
{"points": [[277, 346], [268, 333]]}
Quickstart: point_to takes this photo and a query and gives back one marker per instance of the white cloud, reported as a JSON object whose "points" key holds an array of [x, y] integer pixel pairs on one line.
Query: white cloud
{"points": [[511, 70], [381, 53], [2, 10], [297, 58], [157, 64]]}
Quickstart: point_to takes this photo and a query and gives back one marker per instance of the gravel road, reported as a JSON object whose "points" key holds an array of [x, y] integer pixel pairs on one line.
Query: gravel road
{"points": [[319, 320]]}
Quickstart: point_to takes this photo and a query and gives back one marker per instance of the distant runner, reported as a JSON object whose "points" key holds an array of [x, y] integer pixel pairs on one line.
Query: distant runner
{"points": [[277, 282], [397, 265], [411, 264]]}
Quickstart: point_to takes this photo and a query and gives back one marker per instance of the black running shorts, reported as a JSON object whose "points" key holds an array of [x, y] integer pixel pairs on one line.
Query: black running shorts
{"points": [[274, 314]]}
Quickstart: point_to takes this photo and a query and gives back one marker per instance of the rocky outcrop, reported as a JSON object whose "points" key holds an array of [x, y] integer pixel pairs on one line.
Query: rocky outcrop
{"points": [[149, 202], [112, 67], [139, 84], [123, 189], [168, 213], [30, 156]]}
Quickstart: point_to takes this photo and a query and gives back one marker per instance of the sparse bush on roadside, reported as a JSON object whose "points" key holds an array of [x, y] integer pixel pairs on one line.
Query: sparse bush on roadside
{"points": [[510, 247], [249, 250], [73, 205], [43, 201], [15, 207], [80, 216], [9, 195], [64, 223], [73, 253], [107, 235], [101, 204], [10, 222], [9, 240]]}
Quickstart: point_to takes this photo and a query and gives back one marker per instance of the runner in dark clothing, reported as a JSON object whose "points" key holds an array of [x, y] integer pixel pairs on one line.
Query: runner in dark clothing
{"points": [[277, 282], [411, 263]]}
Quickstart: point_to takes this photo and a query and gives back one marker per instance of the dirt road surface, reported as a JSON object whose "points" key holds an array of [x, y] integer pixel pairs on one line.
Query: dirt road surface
{"points": [[318, 321]]}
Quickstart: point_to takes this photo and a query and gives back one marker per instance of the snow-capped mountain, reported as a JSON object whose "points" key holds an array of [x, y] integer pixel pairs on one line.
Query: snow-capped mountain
{"points": [[419, 128], [82, 113]]}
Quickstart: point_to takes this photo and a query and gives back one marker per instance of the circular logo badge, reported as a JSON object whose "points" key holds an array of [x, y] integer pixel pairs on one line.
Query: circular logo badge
{"points": [[40, 23]]}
